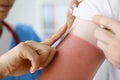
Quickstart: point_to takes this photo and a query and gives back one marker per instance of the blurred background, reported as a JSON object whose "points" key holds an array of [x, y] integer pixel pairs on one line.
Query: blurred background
{"points": [[45, 16]]}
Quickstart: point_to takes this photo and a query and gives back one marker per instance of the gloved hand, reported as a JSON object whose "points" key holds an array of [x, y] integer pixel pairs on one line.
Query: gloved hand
{"points": [[29, 56], [109, 38], [70, 17]]}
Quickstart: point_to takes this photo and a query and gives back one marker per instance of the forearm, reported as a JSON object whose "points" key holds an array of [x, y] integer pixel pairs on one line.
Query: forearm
{"points": [[77, 57]]}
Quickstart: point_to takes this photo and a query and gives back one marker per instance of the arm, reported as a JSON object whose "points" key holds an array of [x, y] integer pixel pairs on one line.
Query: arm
{"points": [[29, 56], [77, 57]]}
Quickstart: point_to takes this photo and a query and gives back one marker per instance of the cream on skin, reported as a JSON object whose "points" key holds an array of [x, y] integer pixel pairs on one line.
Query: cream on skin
{"points": [[78, 58]]}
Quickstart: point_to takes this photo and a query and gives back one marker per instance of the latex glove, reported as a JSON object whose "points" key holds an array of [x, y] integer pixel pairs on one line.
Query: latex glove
{"points": [[29, 56], [70, 17], [109, 38]]}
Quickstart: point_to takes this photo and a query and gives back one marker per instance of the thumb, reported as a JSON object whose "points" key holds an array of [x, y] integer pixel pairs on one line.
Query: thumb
{"points": [[54, 37]]}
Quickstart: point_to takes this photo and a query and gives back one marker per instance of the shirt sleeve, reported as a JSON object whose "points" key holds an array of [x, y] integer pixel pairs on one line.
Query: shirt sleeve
{"points": [[86, 10]]}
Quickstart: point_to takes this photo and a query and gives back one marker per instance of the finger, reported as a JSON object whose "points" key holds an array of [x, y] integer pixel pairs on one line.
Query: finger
{"points": [[44, 55], [71, 8], [74, 2], [40, 48], [79, 1], [108, 56], [31, 55], [102, 46], [33, 44], [50, 58], [70, 17], [104, 35], [70, 11], [112, 60], [105, 49], [54, 37], [112, 54], [74, 6], [107, 22]]}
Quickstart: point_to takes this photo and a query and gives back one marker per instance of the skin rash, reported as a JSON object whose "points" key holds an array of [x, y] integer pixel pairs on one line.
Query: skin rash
{"points": [[77, 56]]}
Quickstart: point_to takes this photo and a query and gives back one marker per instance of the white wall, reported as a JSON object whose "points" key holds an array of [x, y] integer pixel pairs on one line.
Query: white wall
{"points": [[31, 12], [23, 11], [54, 10], [26, 12]]}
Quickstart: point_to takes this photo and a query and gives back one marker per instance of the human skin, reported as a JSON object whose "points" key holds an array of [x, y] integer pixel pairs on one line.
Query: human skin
{"points": [[5, 6], [77, 57]]}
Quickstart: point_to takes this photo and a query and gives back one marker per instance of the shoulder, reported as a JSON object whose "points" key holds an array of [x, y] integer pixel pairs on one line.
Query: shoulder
{"points": [[89, 8]]}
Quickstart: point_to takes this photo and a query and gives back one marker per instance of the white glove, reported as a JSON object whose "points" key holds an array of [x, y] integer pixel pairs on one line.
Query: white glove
{"points": [[29, 56]]}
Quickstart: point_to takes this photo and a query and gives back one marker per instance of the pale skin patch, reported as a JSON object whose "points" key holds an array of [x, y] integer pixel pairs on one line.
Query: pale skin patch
{"points": [[84, 29]]}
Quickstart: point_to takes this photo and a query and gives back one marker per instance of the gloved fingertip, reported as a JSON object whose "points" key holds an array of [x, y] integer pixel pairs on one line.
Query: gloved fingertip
{"points": [[74, 6], [70, 10], [40, 68], [32, 70]]}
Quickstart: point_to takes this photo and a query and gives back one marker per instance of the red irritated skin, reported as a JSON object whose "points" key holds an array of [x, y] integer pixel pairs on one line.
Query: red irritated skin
{"points": [[77, 57]]}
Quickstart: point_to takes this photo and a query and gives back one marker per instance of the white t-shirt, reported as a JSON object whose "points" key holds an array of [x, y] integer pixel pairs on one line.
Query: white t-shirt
{"points": [[5, 41], [111, 8], [88, 8]]}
